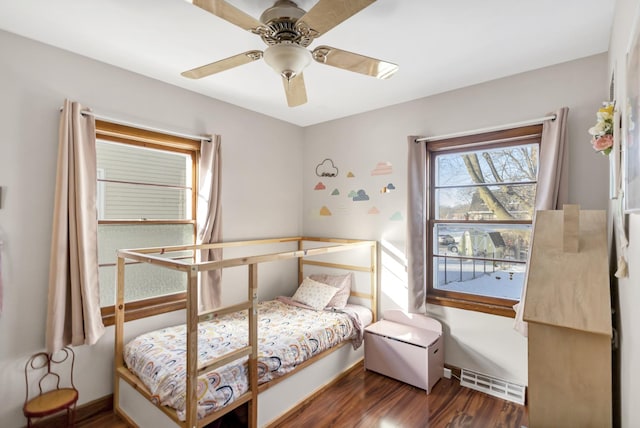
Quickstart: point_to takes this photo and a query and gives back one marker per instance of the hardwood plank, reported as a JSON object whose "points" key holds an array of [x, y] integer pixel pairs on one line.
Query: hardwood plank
{"points": [[104, 420], [366, 399]]}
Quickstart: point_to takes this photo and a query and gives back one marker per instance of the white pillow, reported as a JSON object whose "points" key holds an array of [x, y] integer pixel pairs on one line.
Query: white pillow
{"points": [[342, 282], [315, 294]]}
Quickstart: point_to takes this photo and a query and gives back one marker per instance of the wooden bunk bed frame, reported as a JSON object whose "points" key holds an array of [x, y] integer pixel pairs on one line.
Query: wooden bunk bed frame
{"points": [[193, 316]]}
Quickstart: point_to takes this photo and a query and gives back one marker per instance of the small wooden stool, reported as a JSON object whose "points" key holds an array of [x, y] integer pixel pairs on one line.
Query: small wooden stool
{"points": [[51, 397]]}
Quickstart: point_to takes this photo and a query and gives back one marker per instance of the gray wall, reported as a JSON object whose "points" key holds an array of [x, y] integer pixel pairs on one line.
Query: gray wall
{"points": [[268, 185], [477, 341], [626, 290], [260, 177]]}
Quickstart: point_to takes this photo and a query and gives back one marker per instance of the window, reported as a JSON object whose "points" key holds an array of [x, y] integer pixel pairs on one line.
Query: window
{"points": [[146, 198], [481, 203]]}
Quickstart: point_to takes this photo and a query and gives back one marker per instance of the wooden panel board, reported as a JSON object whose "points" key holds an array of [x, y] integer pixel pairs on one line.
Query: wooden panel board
{"points": [[569, 378], [569, 289]]}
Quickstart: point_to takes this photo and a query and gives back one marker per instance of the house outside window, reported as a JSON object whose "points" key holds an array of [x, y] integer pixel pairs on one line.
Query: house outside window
{"points": [[481, 203], [146, 198]]}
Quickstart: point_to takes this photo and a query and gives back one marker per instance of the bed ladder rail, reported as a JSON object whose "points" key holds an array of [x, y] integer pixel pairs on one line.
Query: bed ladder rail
{"points": [[230, 356], [225, 359], [213, 313]]}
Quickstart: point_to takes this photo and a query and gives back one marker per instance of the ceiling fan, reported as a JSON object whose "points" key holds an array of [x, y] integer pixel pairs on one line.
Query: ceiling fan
{"points": [[288, 30]]}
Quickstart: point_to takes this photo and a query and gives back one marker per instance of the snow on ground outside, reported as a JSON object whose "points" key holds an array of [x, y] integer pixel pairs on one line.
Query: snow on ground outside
{"points": [[505, 282]]}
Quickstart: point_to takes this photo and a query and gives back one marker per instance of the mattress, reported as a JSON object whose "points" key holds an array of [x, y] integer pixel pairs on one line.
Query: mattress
{"points": [[287, 336]]}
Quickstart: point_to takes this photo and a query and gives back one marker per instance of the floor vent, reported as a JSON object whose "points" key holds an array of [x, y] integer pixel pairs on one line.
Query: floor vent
{"points": [[493, 386]]}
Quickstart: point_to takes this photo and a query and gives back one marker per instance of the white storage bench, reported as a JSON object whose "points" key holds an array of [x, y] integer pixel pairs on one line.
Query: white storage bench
{"points": [[406, 347]]}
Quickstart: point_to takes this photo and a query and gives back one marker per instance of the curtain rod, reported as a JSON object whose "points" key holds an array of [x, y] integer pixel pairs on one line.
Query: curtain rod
{"points": [[109, 119], [489, 129]]}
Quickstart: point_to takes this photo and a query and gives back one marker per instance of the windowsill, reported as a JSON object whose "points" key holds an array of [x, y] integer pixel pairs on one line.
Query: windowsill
{"points": [[146, 308], [487, 308]]}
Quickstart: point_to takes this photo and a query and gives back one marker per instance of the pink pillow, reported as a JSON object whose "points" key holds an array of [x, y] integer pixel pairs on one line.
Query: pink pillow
{"points": [[341, 282], [314, 293]]}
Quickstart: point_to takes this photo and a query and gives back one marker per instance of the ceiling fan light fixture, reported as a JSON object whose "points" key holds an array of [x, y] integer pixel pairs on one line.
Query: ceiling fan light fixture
{"points": [[287, 59]]}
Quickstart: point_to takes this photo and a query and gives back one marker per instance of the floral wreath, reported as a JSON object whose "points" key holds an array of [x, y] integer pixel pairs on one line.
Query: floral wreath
{"points": [[602, 131]]}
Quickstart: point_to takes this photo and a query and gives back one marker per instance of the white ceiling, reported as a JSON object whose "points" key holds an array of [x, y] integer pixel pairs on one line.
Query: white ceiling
{"points": [[439, 46]]}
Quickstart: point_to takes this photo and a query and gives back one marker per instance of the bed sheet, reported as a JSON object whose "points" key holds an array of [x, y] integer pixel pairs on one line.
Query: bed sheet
{"points": [[287, 336]]}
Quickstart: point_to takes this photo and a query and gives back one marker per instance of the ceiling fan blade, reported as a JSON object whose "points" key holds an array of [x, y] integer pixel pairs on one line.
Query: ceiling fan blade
{"points": [[354, 62], [295, 90], [229, 13], [222, 65], [326, 14]]}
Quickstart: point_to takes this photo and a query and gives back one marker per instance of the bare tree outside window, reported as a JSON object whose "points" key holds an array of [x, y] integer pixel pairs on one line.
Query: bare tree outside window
{"points": [[482, 204]]}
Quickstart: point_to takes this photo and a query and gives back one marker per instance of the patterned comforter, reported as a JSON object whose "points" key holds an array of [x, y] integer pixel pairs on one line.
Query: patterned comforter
{"points": [[287, 336]]}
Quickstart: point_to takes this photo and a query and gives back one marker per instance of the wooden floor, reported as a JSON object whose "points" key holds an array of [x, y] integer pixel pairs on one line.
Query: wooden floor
{"points": [[366, 399]]}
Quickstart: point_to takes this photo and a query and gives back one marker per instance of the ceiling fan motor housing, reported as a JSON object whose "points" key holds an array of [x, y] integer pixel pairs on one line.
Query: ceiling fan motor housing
{"points": [[280, 22]]}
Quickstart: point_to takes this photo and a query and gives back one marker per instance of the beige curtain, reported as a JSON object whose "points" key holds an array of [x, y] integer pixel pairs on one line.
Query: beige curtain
{"points": [[416, 225], [73, 313], [553, 184], [208, 218], [1, 287], [553, 174]]}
